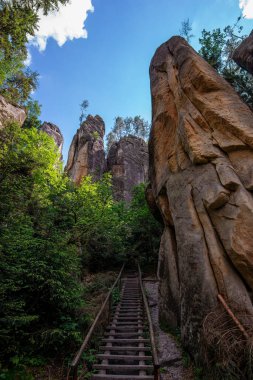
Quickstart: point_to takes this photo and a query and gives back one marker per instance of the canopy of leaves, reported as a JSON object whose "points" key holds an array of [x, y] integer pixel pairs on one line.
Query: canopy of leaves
{"points": [[135, 126], [217, 47], [40, 291]]}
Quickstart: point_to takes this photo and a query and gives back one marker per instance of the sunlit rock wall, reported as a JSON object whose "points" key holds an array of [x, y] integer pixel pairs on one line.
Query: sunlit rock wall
{"points": [[201, 174], [86, 154], [9, 112]]}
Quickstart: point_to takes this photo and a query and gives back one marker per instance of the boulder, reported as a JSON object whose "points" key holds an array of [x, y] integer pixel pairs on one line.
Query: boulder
{"points": [[128, 163], [55, 132], [9, 112], [243, 54], [200, 170], [86, 154]]}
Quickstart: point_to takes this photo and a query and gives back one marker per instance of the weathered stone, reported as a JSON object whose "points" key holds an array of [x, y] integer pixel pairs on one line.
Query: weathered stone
{"points": [[243, 55], [201, 160], [55, 132], [86, 154], [9, 112], [128, 163]]}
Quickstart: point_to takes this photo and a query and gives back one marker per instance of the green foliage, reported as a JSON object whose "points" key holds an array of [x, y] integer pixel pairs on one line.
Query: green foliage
{"points": [[33, 111], [144, 230], [115, 296], [19, 20], [40, 270], [52, 231], [217, 47], [17, 23], [84, 106], [17, 88], [185, 31], [98, 230], [136, 126]]}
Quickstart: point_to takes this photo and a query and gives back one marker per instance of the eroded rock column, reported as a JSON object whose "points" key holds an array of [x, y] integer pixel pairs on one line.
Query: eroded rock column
{"points": [[86, 154], [201, 160]]}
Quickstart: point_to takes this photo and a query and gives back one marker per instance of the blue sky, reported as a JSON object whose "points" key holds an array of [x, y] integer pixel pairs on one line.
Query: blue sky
{"points": [[110, 66]]}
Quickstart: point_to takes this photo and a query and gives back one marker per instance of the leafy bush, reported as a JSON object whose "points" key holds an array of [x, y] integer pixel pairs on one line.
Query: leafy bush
{"points": [[40, 288]]}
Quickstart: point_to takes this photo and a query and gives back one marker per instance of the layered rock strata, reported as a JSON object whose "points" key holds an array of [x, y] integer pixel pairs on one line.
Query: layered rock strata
{"points": [[86, 154], [243, 55], [201, 160], [55, 132], [128, 163], [9, 112]]}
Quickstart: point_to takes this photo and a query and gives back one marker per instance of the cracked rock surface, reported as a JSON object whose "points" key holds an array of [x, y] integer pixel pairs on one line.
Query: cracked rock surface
{"points": [[201, 175]]}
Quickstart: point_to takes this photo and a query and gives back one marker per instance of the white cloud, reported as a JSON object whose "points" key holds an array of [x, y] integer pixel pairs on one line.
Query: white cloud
{"points": [[247, 8], [65, 24]]}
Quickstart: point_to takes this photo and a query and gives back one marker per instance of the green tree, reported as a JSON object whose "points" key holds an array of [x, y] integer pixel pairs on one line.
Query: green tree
{"points": [[84, 106], [185, 31], [19, 20], [17, 88], [41, 293], [98, 226], [135, 126], [33, 111], [217, 47], [145, 231]]}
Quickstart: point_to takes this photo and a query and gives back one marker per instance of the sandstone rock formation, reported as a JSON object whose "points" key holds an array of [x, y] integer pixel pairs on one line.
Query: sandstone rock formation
{"points": [[243, 55], [86, 154], [55, 132], [128, 162], [8, 112], [201, 160]]}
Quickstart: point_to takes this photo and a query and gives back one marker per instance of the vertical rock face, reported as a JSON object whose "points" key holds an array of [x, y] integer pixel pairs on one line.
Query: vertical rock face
{"points": [[55, 132], [86, 154], [8, 112], [201, 160], [243, 55], [128, 163]]}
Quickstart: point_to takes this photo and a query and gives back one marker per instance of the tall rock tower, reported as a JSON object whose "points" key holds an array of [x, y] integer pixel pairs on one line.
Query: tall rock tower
{"points": [[86, 154], [201, 158], [128, 163]]}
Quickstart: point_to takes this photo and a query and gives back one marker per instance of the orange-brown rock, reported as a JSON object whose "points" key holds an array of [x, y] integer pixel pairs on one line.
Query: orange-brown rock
{"points": [[201, 174], [243, 55], [86, 154]]}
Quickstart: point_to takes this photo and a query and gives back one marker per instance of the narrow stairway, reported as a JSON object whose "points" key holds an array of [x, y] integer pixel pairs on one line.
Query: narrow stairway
{"points": [[125, 353]]}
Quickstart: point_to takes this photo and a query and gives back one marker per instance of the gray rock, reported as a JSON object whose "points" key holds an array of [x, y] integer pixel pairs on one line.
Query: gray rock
{"points": [[53, 131], [9, 112], [128, 163]]}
